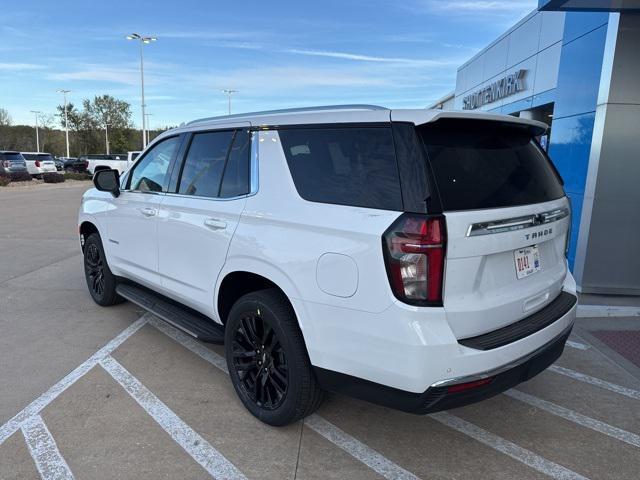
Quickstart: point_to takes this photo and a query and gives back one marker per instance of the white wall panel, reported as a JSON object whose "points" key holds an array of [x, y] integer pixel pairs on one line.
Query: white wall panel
{"points": [[523, 41], [495, 59], [547, 69], [552, 28]]}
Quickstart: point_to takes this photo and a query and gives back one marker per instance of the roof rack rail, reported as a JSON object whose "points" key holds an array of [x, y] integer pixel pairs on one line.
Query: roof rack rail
{"points": [[289, 110]]}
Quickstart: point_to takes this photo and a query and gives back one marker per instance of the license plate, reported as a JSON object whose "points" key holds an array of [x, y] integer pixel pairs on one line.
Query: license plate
{"points": [[527, 261]]}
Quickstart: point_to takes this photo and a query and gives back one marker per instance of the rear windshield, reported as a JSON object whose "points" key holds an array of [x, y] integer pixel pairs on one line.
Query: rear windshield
{"points": [[45, 157], [30, 156], [353, 166], [15, 156], [487, 165]]}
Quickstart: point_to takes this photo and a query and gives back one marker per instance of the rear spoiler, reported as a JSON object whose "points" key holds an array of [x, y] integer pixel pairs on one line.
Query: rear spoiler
{"points": [[421, 117]]}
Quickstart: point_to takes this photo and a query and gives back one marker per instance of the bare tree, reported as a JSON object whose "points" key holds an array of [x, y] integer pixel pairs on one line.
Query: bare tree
{"points": [[5, 118]]}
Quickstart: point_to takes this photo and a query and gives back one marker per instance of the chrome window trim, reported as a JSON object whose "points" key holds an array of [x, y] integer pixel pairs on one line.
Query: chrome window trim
{"points": [[517, 223], [253, 166], [200, 197]]}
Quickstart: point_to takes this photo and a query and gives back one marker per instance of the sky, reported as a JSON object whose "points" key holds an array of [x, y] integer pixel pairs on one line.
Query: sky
{"points": [[277, 54]]}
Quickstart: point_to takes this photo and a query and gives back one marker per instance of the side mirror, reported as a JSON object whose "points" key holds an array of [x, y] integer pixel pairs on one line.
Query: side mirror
{"points": [[107, 181]]}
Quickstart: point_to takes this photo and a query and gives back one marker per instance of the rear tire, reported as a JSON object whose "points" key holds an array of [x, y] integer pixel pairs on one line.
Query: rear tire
{"points": [[268, 361], [100, 281]]}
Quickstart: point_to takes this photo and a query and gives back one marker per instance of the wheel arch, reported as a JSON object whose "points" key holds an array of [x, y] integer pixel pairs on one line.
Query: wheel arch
{"points": [[233, 283], [86, 228]]}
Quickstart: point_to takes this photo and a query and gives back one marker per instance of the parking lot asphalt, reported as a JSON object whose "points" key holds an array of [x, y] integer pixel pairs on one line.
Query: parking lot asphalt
{"points": [[91, 392]]}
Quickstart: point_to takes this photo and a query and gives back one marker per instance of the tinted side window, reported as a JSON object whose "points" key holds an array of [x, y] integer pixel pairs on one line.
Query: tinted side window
{"points": [[487, 165], [203, 167], [236, 174], [347, 166], [150, 173]]}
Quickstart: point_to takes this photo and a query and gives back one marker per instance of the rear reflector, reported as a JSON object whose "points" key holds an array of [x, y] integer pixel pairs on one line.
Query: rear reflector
{"points": [[414, 248], [463, 387]]}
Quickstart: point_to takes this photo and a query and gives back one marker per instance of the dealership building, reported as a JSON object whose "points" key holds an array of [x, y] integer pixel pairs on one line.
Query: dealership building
{"points": [[575, 65]]}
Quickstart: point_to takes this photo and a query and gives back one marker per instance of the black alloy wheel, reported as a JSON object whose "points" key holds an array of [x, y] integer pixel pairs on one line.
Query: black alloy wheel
{"points": [[100, 281], [260, 361], [267, 359], [95, 269]]}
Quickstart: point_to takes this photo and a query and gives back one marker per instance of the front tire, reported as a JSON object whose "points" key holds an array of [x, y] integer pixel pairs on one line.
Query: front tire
{"points": [[268, 361], [100, 281]]}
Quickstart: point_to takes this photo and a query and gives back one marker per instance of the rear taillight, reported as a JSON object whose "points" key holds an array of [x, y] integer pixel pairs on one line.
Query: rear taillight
{"points": [[6, 164], [38, 163], [414, 249]]}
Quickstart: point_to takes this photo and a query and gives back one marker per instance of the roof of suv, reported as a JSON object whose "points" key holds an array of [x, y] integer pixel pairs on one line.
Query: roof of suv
{"points": [[347, 114]]}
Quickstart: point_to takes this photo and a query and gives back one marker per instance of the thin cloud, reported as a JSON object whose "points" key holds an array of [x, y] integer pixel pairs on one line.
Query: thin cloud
{"points": [[102, 74], [369, 58], [205, 35], [21, 66], [471, 10]]}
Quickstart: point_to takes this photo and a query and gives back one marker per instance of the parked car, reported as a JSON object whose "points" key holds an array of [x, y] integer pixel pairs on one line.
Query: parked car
{"points": [[73, 164], [59, 163], [412, 258], [12, 162], [97, 162], [39, 163], [131, 157]]}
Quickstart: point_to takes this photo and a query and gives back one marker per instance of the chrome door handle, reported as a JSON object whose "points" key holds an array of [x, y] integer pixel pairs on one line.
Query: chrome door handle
{"points": [[215, 224], [148, 212]]}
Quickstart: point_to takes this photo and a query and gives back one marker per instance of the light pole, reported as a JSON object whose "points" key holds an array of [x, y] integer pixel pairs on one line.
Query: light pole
{"points": [[229, 93], [66, 123], [106, 135], [37, 112], [147, 115], [143, 41]]}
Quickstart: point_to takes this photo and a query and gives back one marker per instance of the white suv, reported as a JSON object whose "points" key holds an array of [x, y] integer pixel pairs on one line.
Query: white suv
{"points": [[412, 258]]}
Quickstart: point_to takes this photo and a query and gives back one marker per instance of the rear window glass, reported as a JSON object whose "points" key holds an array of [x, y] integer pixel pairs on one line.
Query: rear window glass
{"points": [[203, 167], [30, 156], [347, 166], [10, 156], [45, 157], [487, 165]]}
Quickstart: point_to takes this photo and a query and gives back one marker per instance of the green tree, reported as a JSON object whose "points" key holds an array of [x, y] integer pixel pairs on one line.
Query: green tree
{"points": [[106, 110]]}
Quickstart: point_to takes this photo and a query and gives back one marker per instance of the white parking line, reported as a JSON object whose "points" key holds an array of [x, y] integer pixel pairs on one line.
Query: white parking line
{"points": [[577, 345], [594, 311], [514, 451], [357, 449], [50, 395], [44, 451], [575, 417], [190, 344], [352, 446], [196, 446], [627, 392]]}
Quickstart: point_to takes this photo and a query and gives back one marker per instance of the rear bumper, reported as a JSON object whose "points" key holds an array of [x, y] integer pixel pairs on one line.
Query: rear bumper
{"points": [[437, 397]]}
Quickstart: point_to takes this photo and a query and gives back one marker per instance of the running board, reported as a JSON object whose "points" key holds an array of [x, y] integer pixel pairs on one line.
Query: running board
{"points": [[190, 322]]}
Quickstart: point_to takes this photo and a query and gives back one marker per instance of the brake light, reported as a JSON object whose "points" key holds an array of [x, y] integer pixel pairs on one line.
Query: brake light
{"points": [[38, 163], [414, 249], [6, 163]]}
